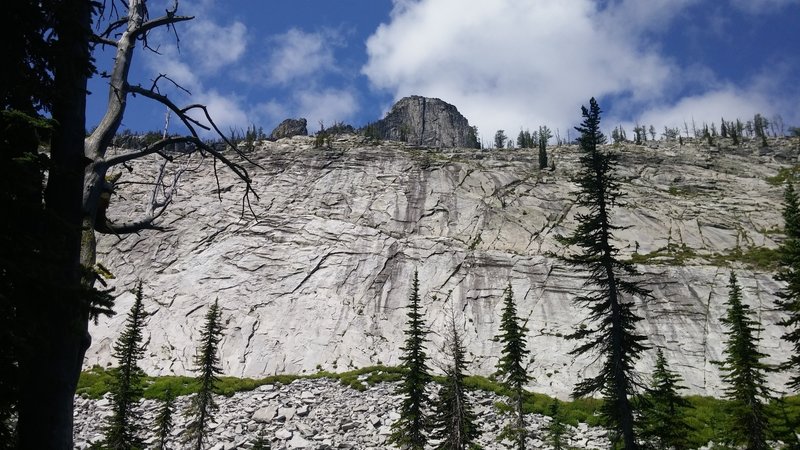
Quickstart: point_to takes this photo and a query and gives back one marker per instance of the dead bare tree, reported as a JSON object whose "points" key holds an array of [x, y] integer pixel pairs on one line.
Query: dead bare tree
{"points": [[80, 190]]}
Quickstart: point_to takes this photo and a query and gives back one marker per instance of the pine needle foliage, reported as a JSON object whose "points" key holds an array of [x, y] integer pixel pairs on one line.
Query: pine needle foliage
{"points": [[789, 272], [744, 373], [122, 430], [202, 407], [612, 287], [454, 421], [164, 420], [557, 432], [410, 431], [663, 425], [512, 367]]}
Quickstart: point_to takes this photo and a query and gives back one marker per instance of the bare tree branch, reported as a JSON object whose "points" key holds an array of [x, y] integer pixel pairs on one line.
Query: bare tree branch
{"points": [[102, 40], [155, 23], [155, 147]]}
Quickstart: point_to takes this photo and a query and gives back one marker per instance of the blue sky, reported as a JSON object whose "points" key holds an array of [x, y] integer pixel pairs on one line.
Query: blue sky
{"points": [[506, 64]]}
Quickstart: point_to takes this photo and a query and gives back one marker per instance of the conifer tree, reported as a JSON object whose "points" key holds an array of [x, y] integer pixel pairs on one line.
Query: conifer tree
{"points": [[744, 373], [662, 417], [610, 301], [122, 428], [789, 272], [557, 432], [454, 421], [411, 429], [202, 407], [163, 422], [511, 367], [544, 135]]}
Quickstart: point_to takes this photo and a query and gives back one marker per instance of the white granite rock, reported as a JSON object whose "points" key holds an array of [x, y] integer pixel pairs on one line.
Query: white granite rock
{"points": [[320, 276]]}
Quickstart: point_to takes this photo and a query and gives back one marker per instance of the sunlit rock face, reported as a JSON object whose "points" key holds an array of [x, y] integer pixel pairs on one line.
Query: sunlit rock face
{"points": [[320, 275], [424, 121]]}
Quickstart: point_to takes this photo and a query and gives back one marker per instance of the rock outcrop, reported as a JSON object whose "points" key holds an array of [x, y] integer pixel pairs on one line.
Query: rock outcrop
{"points": [[289, 128], [320, 415], [320, 276], [428, 122]]}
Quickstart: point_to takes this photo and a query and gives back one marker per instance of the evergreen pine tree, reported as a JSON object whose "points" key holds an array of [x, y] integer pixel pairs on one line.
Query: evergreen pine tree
{"points": [[789, 272], [511, 367], [454, 419], [163, 421], [544, 135], [411, 429], [557, 432], [662, 417], [122, 428], [610, 302], [744, 373], [202, 407]]}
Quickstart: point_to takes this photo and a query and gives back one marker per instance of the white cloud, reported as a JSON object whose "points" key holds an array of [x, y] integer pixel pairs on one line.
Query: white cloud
{"points": [[709, 107], [329, 106], [522, 63], [299, 54], [214, 46]]}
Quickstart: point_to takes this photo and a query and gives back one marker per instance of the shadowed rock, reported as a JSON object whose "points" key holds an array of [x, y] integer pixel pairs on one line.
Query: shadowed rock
{"points": [[289, 128]]}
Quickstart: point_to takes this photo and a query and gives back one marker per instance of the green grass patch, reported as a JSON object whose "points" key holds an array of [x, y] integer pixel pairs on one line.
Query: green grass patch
{"points": [[707, 416], [672, 254], [758, 258], [785, 173]]}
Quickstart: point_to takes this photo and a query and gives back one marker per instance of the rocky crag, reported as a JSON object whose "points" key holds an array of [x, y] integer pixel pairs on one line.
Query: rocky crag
{"points": [[309, 414], [428, 122], [319, 277]]}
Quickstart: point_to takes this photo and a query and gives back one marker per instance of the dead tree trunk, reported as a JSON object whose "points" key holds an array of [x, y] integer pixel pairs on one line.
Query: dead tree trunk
{"points": [[76, 187]]}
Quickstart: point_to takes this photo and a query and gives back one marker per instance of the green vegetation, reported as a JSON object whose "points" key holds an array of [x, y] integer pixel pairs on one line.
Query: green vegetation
{"points": [[662, 423], [613, 337], [411, 430], [704, 416], [756, 258], [512, 366], [202, 407], [744, 374], [123, 426], [784, 174], [673, 254], [789, 272], [454, 421]]}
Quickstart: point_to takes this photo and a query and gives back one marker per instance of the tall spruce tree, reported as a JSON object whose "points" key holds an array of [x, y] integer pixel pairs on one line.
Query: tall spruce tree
{"points": [[512, 367], [610, 300], [662, 421], [789, 272], [557, 433], [744, 373], [164, 420], [544, 135], [454, 421], [202, 407], [122, 430], [410, 431]]}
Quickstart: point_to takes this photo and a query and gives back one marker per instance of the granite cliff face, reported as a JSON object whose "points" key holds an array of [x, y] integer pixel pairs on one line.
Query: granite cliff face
{"points": [[319, 278], [428, 122]]}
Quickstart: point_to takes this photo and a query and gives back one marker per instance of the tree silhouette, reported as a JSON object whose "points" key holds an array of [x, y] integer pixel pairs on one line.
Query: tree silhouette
{"points": [[789, 272], [164, 420], [512, 367], [454, 421], [123, 425], [610, 305], [55, 64], [662, 416], [202, 408], [744, 373], [411, 429]]}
